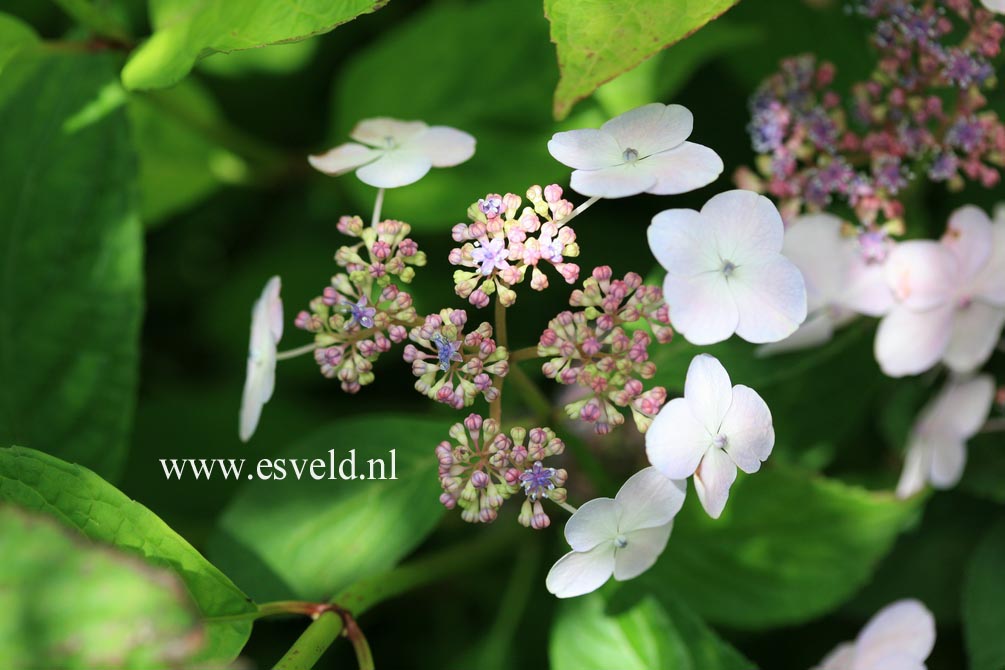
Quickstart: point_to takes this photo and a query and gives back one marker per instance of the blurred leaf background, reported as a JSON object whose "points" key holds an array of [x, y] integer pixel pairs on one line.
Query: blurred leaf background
{"points": [[132, 200]]}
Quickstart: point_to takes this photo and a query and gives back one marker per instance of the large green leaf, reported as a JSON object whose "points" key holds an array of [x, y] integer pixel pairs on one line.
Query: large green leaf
{"points": [[313, 538], [72, 605], [71, 276], [425, 69], [83, 500], [597, 40], [788, 548], [984, 603], [185, 31], [654, 632]]}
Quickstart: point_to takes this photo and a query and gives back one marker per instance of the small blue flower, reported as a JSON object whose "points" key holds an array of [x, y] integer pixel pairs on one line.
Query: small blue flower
{"points": [[360, 313], [537, 481], [447, 352]]}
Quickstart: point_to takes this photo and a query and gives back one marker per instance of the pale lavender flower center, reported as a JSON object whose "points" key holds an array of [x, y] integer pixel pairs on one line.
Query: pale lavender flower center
{"points": [[720, 441], [630, 155], [621, 542], [446, 351], [361, 313]]}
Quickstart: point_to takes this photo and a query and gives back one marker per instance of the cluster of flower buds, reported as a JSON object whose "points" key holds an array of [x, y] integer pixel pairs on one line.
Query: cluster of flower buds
{"points": [[503, 242], [483, 467], [591, 348], [389, 251], [455, 367], [921, 112], [362, 312]]}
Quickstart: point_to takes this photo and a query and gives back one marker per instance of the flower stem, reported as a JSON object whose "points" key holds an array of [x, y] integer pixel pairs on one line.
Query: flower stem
{"points": [[377, 206], [293, 353], [583, 206], [525, 354], [366, 593], [567, 507]]}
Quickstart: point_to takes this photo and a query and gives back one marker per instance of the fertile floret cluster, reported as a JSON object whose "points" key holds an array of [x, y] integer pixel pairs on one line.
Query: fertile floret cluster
{"points": [[591, 348], [483, 467], [503, 242]]}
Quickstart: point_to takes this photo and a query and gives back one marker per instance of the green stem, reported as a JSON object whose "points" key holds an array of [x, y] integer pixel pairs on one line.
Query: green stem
{"points": [[293, 353], [499, 646], [366, 593], [525, 354]]}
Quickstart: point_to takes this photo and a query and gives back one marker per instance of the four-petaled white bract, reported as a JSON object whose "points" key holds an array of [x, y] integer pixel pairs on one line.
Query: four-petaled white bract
{"points": [[641, 151], [389, 153], [899, 637], [710, 432], [725, 270], [622, 536], [266, 331], [937, 446], [844, 277], [950, 298]]}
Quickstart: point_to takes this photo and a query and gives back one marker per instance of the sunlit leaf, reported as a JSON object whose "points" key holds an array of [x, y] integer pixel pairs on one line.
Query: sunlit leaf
{"points": [[186, 31], [597, 40], [70, 604], [83, 500]]}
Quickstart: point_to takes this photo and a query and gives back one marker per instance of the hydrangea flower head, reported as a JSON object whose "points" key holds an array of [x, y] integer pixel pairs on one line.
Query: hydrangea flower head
{"points": [[710, 432], [260, 380], [644, 150], [950, 298], [389, 153], [453, 367], [482, 467], [725, 270], [592, 349], [621, 536], [504, 241], [899, 637], [936, 448]]}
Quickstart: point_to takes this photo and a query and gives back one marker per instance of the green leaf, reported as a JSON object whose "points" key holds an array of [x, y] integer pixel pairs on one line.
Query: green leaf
{"points": [[71, 283], [984, 603], [103, 18], [499, 100], [14, 34], [180, 163], [313, 538], [788, 548], [597, 40], [70, 604], [654, 632], [83, 500], [185, 31], [662, 76]]}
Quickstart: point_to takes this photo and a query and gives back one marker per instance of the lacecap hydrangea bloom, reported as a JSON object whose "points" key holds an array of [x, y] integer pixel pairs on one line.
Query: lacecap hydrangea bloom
{"points": [[710, 432], [950, 298], [389, 153], [260, 380], [644, 150], [937, 445], [899, 637], [725, 270], [620, 537]]}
